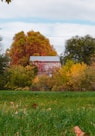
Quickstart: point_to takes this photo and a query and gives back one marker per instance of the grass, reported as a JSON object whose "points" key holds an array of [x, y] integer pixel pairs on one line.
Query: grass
{"points": [[46, 113]]}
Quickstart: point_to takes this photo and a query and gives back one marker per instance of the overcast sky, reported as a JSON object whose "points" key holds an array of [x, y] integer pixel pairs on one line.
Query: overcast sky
{"points": [[58, 20]]}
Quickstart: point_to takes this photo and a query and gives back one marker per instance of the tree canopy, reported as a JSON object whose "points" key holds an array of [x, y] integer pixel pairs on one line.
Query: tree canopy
{"points": [[79, 49], [4, 60], [31, 44]]}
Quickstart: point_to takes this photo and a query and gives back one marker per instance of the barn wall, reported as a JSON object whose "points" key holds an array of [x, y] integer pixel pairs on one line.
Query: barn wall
{"points": [[46, 67]]}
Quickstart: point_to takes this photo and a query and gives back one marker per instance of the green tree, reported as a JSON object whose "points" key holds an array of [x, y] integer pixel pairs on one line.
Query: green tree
{"points": [[4, 61], [32, 44], [79, 49]]}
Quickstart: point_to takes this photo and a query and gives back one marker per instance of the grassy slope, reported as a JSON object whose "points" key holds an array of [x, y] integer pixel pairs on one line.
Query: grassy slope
{"points": [[46, 113]]}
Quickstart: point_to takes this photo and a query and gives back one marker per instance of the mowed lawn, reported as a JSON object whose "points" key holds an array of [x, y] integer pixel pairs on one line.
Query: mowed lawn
{"points": [[46, 113]]}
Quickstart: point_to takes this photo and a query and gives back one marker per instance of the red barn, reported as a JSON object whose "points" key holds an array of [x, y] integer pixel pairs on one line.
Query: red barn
{"points": [[46, 64]]}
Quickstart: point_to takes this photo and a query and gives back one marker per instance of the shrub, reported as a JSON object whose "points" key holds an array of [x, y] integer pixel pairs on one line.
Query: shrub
{"points": [[69, 77], [20, 77], [41, 83], [89, 82]]}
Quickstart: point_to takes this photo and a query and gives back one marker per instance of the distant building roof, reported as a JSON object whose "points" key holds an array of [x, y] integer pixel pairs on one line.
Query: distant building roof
{"points": [[45, 58]]}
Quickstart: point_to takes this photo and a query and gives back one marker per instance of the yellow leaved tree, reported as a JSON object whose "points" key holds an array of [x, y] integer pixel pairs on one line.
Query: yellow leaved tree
{"points": [[70, 76]]}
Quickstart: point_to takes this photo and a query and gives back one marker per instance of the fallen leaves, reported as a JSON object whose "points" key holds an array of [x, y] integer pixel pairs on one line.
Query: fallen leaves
{"points": [[79, 132]]}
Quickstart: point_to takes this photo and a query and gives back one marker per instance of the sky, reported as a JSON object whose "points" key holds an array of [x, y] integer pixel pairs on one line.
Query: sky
{"points": [[57, 20]]}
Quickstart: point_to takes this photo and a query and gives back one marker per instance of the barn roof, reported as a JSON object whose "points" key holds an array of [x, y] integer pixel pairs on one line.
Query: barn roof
{"points": [[45, 58]]}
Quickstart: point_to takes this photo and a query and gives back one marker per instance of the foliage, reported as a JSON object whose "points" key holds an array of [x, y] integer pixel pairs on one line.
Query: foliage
{"points": [[4, 62], [77, 75], [40, 83], [55, 114], [8, 1], [20, 77], [17, 51], [79, 49], [89, 81], [3, 81], [69, 77], [32, 44]]}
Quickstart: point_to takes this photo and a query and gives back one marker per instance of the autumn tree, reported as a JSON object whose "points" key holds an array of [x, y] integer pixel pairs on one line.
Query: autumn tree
{"points": [[31, 44], [69, 77], [79, 49], [17, 51]]}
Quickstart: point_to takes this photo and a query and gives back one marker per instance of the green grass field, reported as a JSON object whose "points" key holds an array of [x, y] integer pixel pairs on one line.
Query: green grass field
{"points": [[46, 113]]}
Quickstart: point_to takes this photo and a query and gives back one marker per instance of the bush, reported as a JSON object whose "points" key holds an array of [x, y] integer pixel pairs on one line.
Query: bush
{"points": [[89, 82], [69, 77], [41, 83], [20, 77]]}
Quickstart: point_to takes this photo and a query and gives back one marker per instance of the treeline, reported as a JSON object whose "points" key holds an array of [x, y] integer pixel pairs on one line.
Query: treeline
{"points": [[76, 74], [71, 76]]}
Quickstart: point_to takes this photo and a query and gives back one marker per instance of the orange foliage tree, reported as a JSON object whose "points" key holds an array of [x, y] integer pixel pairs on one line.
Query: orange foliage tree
{"points": [[32, 44]]}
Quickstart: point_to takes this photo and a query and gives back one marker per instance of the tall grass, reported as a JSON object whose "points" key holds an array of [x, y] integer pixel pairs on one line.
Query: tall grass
{"points": [[45, 113]]}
